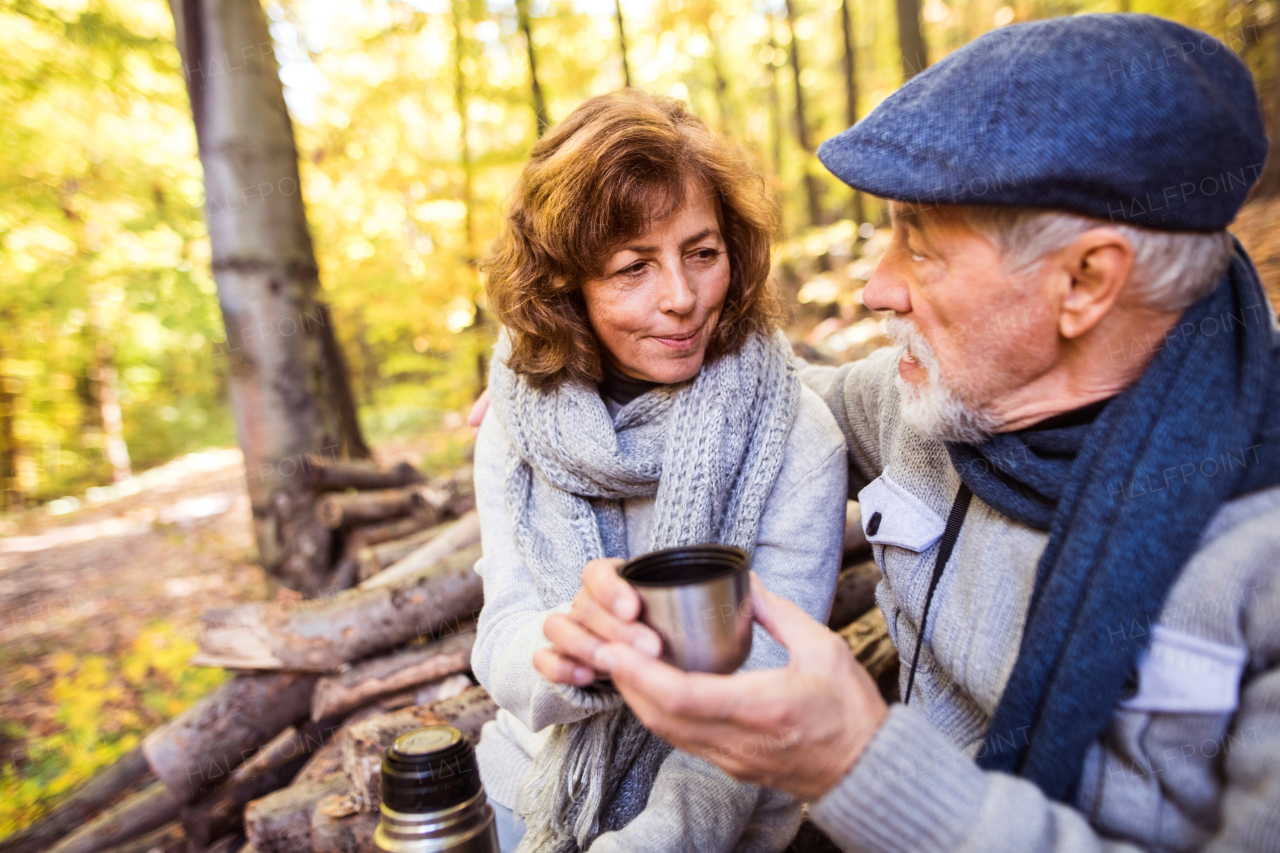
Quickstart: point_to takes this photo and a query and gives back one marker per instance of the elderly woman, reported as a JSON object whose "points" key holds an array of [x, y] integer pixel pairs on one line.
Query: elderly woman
{"points": [[642, 397]]}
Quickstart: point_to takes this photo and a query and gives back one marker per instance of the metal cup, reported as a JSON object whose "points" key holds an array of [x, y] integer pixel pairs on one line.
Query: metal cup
{"points": [[698, 599]]}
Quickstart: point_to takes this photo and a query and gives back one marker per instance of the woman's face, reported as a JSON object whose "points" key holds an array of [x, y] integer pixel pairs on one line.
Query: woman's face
{"points": [[660, 295]]}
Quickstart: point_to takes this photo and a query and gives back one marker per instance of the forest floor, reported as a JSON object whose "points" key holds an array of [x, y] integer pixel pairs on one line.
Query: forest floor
{"points": [[99, 607], [99, 611]]}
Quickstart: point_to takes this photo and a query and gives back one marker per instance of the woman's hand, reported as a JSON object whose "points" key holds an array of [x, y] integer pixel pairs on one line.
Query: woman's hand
{"points": [[605, 610]]}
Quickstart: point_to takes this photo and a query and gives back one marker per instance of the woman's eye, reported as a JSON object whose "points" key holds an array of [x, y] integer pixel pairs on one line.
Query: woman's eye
{"points": [[633, 270], [706, 254]]}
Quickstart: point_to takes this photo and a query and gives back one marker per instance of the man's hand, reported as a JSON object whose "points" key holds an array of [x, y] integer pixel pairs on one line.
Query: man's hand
{"points": [[799, 728], [604, 610]]}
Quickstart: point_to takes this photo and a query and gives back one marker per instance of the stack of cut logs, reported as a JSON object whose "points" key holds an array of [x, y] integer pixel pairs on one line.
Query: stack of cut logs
{"points": [[284, 757], [376, 516]]}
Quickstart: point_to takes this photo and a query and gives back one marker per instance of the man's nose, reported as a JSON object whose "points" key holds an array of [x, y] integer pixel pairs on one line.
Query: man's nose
{"points": [[887, 290], [676, 296]]}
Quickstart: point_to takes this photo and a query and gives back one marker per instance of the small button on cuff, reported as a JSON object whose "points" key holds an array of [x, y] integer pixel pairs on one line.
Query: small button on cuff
{"points": [[873, 524]]}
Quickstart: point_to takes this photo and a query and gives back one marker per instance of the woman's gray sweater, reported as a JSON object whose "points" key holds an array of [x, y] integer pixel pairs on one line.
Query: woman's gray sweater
{"points": [[693, 805]]}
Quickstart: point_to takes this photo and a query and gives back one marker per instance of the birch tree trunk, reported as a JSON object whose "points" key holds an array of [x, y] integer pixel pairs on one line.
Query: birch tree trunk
{"points": [[915, 56], [812, 192], [281, 384], [526, 29], [622, 44], [12, 497], [851, 86], [460, 104]]}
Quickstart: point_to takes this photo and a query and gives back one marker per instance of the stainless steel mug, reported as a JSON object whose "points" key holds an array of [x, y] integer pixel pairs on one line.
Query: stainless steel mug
{"points": [[698, 599], [432, 799]]}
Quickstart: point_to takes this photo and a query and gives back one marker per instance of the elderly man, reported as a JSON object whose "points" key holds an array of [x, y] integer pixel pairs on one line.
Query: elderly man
{"points": [[1068, 470]]}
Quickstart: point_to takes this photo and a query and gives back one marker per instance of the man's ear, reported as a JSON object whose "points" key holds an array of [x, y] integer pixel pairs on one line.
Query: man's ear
{"points": [[1098, 263]]}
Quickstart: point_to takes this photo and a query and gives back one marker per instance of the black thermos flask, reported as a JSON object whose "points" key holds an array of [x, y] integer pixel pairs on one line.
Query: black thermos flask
{"points": [[432, 799]]}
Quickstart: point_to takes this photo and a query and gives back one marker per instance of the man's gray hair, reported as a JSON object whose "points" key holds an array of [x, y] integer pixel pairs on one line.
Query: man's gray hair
{"points": [[1171, 269]]}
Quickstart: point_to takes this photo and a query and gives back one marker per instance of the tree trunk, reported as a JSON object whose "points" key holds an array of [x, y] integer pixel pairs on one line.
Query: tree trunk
{"points": [[1269, 181], [10, 452], [622, 44], [463, 533], [151, 807], [526, 29], [265, 270], [460, 104], [198, 749], [323, 635], [915, 55], [107, 397], [323, 476], [371, 559], [812, 192], [851, 87], [365, 682], [344, 510], [337, 383], [775, 104], [271, 768], [280, 822]]}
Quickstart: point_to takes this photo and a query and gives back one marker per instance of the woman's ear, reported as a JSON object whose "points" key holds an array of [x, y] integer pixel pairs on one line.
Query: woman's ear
{"points": [[1098, 264]]}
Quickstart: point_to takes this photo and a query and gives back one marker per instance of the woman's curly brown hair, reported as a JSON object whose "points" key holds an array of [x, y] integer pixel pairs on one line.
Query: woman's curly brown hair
{"points": [[594, 181]]}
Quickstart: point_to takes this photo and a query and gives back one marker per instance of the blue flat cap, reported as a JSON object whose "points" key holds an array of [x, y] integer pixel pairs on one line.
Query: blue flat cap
{"points": [[1129, 118]]}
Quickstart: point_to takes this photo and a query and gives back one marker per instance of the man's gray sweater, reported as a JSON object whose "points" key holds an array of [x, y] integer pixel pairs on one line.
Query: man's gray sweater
{"points": [[1190, 759]]}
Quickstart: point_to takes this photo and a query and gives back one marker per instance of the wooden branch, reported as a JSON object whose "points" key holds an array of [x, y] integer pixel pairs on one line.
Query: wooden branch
{"points": [[362, 744], [200, 747], [425, 694], [280, 822], [91, 798], [868, 639], [462, 533], [274, 766], [368, 535], [337, 694], [467, 712], [322, 635], [345, 573], [336, 828], [856, 547], [167, 839], [855, 593], [340, 509], [223, 812], [371, 559], [331, 476], [151, 807]]}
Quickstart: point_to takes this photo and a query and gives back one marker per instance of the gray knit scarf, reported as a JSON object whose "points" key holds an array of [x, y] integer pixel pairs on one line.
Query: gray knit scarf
{"points": [[708, 451]]}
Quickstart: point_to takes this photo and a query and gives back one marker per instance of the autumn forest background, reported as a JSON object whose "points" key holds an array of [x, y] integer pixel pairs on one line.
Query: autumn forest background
{"points": [[123, 506]]}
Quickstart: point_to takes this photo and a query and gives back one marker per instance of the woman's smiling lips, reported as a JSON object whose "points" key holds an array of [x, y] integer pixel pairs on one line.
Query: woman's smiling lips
{"points": [[681, 342]]}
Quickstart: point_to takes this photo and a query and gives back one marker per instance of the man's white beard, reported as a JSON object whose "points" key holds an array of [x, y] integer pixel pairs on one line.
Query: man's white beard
{"points": [[933, 407]]}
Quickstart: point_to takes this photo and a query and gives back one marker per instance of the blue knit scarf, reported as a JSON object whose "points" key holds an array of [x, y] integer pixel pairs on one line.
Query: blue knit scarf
{"points": [[1124, 501]]}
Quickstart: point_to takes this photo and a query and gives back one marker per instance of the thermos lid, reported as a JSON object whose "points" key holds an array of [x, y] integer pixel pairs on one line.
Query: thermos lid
{"points": [[429, 770]]}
